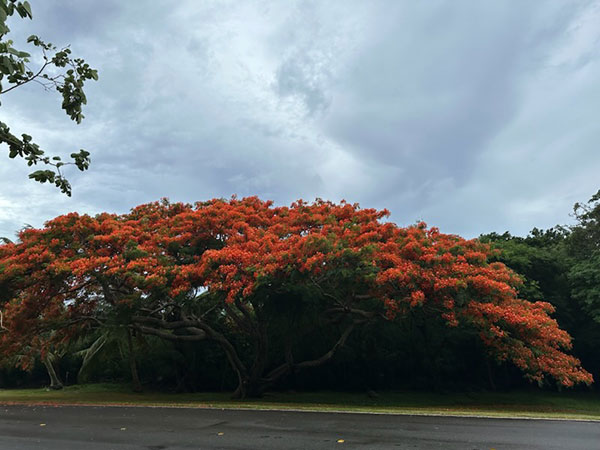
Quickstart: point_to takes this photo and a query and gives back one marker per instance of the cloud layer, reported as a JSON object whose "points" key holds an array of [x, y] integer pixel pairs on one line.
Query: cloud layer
{"points": [[473, 116]]}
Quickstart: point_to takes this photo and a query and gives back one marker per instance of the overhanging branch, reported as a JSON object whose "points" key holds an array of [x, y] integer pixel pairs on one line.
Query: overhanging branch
{"points": [[170, 336], [288, 366]]}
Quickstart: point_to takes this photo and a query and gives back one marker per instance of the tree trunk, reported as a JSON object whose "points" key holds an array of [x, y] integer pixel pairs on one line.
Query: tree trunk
{"points": [[88, 357], [490, 374], [255, 386], [135, 379], [250, 388], [55, 381]]}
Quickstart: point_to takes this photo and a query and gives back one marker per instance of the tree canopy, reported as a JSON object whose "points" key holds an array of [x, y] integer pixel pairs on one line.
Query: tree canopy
{"points": [[57, 69], [275, 275], [561, 265], [584, 248]]}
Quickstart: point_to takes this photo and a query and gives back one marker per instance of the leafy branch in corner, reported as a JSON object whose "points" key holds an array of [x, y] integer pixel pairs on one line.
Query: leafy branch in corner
{"points": [[58, 71]]}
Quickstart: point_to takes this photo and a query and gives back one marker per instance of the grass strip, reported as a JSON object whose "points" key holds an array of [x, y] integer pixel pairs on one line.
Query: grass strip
{"points": [[525, 404]]}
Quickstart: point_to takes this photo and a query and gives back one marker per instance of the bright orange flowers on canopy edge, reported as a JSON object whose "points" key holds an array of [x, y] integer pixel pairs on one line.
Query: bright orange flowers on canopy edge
{"points": [[238, 247]]}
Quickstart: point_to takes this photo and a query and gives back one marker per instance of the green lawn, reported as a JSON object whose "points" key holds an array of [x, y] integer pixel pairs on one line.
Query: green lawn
{"points": [[574, 405]]}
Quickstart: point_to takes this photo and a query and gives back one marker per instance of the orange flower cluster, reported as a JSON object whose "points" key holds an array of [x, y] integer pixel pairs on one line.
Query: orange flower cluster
{"points": [[240, 249]]}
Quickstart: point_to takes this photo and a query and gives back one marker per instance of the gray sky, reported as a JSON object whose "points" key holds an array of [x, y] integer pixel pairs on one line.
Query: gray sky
{"points": [[474, 116]]}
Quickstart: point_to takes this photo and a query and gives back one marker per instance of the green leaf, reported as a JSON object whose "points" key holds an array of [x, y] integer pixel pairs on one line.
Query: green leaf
{"points": [[6, 65], [18, 53], [42, 176], [27, 7]]}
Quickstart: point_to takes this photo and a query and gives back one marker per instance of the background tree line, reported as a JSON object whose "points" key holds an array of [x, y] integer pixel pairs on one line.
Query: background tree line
{"points": [[562, 266]]}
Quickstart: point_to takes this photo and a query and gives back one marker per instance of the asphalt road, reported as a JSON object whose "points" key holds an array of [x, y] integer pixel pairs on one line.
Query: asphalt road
{"points": [[119, 428]]}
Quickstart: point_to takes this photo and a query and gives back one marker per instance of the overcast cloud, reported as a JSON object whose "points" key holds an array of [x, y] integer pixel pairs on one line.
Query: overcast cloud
{"points": [[473, 116]]}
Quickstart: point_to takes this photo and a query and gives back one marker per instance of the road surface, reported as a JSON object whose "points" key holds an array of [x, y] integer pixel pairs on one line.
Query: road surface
{"points": [[124, 428]]}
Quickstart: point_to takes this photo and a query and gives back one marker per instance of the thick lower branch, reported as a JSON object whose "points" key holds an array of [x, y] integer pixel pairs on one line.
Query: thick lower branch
{"points": [[359, 312], [196, 330], [288, 366], [327, 356], [238, 320], [159, 323], [170, 336]]}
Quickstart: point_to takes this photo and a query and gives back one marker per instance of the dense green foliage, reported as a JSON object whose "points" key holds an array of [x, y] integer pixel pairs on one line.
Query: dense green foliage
{"points": [[583, 247], [562, 266]]}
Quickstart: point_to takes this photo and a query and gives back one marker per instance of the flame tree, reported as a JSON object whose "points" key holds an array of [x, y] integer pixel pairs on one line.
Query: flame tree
{"points": [[276, 275]]}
